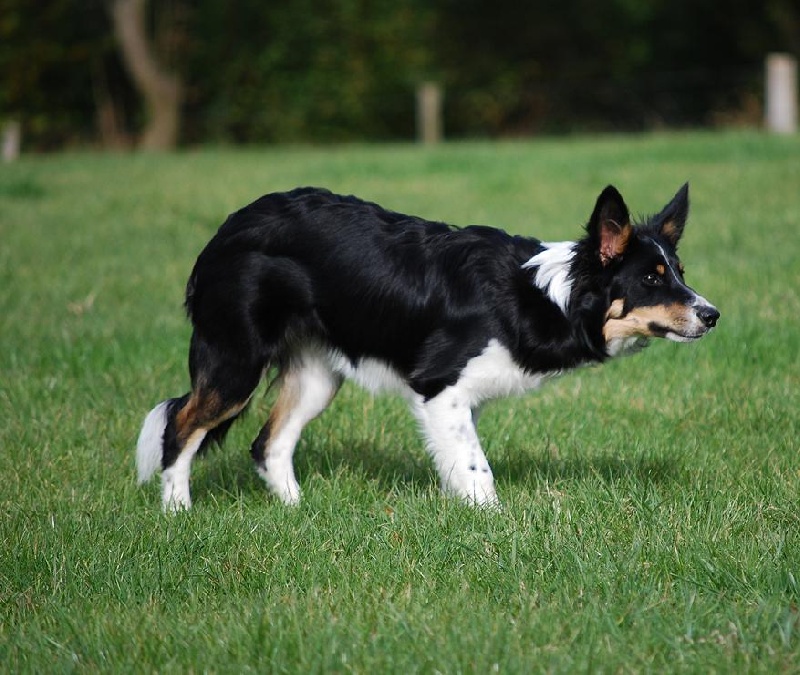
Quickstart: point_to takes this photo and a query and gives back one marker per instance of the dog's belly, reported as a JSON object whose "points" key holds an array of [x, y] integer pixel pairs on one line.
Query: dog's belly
{"points": [[491, 374], [372, 374]]}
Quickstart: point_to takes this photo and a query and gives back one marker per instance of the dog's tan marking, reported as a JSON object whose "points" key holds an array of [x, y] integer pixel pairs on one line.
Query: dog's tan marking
{"points": [[288, 398], [614, 238], [616, 309], [661, 270], [639, 322], [670, 231], [195, 437], [201, 413]]}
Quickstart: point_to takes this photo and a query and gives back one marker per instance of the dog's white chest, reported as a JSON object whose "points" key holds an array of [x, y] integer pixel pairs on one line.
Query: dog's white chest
{"points": [[495, 374]]}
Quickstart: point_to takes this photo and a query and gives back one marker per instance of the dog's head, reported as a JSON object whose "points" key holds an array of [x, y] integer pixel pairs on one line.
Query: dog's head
{"points": [[647, 294]]}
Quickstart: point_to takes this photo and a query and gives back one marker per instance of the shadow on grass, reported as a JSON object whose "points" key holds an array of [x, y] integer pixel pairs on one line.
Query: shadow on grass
{"points": [[398, 469]]}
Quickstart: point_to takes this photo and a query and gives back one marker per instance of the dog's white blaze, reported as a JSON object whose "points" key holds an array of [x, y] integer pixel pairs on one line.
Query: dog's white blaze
{"points": [[150, 445], [700, 301], [666, 260], [552, 273]]}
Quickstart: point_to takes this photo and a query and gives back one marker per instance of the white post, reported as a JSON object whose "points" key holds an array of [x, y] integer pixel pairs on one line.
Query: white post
{"points": [[11, 141], [429, 113], [781, 92]]}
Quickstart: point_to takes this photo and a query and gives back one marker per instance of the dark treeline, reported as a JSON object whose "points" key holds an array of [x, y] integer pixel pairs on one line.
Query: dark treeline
{"points": [[323, 70]]}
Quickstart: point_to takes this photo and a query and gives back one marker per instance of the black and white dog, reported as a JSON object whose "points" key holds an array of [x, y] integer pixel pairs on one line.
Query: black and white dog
{"points": [[320, 287]]}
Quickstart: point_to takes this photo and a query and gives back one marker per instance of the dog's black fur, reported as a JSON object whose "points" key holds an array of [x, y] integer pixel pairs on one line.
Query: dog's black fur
{"points": [[328, 282]]}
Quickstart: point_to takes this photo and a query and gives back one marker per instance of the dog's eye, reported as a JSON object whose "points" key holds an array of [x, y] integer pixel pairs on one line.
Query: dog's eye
{"points": [[652, 279]]}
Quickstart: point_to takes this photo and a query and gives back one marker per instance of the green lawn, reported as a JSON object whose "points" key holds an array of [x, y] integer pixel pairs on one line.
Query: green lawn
{"points": [[651, 517]]}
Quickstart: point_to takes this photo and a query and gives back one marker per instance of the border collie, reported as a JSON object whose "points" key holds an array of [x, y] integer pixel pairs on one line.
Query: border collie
{"points": [[319, 287]]}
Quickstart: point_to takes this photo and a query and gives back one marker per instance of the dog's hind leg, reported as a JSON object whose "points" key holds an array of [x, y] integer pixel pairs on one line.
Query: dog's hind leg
{"points": [[175, 430], [448, 425], [195, 415], [307, 386], [171, 435]]}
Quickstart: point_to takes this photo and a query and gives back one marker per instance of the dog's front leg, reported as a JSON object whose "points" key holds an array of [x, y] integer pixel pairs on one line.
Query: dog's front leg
{"points": [[452, 441]]}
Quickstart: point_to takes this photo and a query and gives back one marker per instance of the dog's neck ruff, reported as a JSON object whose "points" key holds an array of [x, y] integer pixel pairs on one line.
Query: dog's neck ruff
{"points": [[552, 271]]}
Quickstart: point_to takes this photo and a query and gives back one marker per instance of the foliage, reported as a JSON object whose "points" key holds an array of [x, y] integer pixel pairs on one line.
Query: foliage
{"points": [[322, 71], [651, 505], [607, 65], [306, 70], [53, 59]]}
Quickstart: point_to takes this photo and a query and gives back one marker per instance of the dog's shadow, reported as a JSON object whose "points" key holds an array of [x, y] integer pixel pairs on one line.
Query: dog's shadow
{"points": [[392, 469]]}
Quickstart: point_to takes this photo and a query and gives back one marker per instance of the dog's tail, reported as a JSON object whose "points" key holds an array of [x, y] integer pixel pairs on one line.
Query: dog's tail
{"points": [[150, 446]]}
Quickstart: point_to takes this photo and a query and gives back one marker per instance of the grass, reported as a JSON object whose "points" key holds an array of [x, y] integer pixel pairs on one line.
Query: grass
{"points": [[650, 520]]}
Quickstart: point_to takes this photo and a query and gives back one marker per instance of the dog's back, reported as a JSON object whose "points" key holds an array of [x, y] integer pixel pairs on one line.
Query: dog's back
{"points": [[310, 266]]}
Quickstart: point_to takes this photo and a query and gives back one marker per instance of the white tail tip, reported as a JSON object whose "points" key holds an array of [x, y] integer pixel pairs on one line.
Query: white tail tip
{"points": [[150, 445]]}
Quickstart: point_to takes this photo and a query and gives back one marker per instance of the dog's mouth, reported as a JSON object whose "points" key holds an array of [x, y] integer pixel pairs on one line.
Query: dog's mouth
{"points": [[675, 335], [678, 331]]}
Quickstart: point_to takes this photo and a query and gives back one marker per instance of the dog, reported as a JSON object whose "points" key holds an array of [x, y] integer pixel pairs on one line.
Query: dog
{"points": [[319, 288]]}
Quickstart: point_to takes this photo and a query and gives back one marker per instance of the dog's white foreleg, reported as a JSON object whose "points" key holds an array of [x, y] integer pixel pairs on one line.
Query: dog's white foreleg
{"points": [[452, 441]]}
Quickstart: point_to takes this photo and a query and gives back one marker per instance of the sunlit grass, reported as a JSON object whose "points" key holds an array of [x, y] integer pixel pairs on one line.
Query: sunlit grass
{"points": [[650, 518]]}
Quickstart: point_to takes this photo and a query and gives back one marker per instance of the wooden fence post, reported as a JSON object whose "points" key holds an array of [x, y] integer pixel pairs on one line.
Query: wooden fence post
{"points": [[11, 140], [781, 93], [429, 113]]}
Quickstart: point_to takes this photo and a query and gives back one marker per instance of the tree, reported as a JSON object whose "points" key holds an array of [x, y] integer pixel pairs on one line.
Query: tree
{"points": [[161, 89]]}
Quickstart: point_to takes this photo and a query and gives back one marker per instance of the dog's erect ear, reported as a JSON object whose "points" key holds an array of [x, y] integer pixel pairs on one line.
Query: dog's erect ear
{"points": [[610, 225], [672, 219]]}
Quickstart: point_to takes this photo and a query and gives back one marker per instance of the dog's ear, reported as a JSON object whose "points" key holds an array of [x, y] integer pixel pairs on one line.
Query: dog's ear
{"points": [[610, 225], [672, 219]]}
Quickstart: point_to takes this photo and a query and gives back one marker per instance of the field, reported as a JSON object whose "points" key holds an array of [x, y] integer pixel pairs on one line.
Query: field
{"points": [[651, 518]]}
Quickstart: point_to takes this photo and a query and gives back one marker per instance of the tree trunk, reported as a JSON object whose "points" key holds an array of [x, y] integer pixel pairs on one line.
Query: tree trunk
{"points": [[161, 90]]}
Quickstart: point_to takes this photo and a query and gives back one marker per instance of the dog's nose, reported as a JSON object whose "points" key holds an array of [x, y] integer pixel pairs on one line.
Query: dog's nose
{"points": [[708, 314]]}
